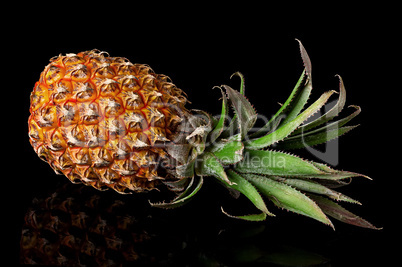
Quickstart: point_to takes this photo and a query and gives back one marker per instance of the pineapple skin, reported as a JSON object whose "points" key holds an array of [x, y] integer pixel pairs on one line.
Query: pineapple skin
{"points": [[100, 120]]}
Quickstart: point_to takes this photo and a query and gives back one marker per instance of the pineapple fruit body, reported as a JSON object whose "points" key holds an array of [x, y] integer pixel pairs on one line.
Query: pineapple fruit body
{"points": [[99, 120]]}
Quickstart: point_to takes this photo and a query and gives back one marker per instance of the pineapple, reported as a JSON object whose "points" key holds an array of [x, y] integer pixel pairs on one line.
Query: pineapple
{"points": [[75, 226], [108, 123], [97, 120]]}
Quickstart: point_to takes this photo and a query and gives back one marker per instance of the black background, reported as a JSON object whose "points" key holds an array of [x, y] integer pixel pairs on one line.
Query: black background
{"points": [[200, 47]]}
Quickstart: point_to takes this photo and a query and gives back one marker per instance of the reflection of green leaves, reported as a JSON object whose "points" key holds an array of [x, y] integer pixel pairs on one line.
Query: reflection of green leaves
{"points": [[292, 257]]}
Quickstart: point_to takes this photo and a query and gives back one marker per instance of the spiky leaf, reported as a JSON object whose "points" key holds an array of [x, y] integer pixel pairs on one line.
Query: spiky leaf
{"points": [[242, 85], [337, 212], [276, 119], [246, 188], [314, 187], [276, 163], [193, 187], [332, 113], [219, 127], [209, 165], [250, 217], [228, 151], [288, 128], [287, 197], [314, 139], [243, 109]]}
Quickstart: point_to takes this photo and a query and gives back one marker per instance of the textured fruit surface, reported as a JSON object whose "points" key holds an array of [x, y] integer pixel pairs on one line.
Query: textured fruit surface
{"points": [[99, 119]]}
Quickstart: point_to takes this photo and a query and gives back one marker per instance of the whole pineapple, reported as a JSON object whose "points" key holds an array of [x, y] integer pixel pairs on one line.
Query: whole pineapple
{"points": [[106, 122], [97, 119]]}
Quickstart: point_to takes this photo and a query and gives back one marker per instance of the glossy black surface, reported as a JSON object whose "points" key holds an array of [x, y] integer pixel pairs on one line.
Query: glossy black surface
{"points": [[75, 224]]}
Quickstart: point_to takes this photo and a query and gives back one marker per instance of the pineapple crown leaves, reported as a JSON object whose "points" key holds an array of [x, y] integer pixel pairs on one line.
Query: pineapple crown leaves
{"points": [[245, 163]]}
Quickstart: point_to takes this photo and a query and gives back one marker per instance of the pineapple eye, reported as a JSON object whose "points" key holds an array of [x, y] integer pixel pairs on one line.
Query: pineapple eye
{"points": [[89, 113], [72, 59], [112, 107], [84, 91], [79, 73], [109, 87], [54, 74], [135, 121], [126, 68], [105, 71], [132, 100], [47, 116], [67, 114], [129, 83]]}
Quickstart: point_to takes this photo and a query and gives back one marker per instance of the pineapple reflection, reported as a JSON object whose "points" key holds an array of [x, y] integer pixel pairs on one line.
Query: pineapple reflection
{"points": [[80, 226]]}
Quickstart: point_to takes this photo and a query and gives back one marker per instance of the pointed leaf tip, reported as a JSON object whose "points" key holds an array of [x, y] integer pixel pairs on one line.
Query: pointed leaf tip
{"points": [[305, 58], [182, 198], [250, 217], [247, 189], [242, 87], [246, 115], [338, 212], [287, 197]]}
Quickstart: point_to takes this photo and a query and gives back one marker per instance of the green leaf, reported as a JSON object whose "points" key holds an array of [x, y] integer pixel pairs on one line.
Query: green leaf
{"points": [[277, 117], [288, 128], [242, 86], [246, 188], [297, 99], [305, 58], [337, 212], [314, 139], [228, 151], [193, 187], [287, 197], [330, 126], [276, 163], [297, 105], [234, 124], [207, 164], [314, 187], [216, 132], [301, 99], [243, 109], [250, 217], [332, 113], [334, 175]]}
